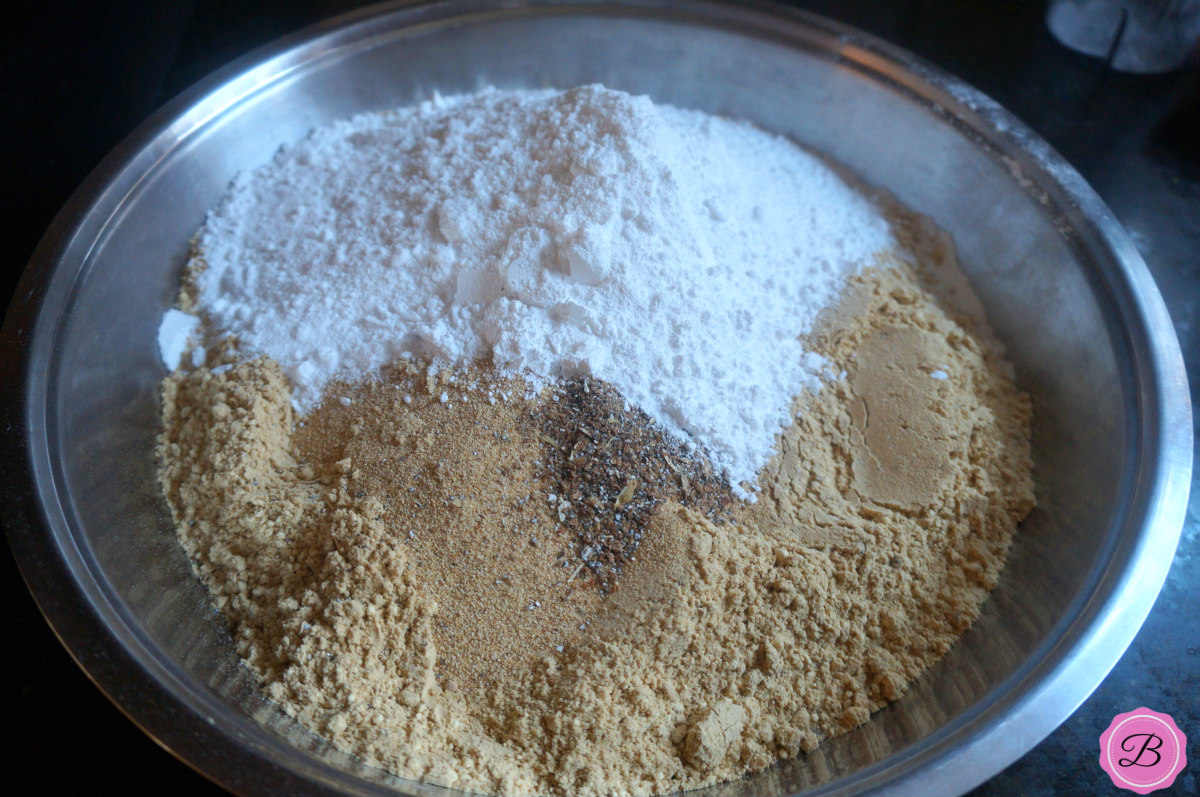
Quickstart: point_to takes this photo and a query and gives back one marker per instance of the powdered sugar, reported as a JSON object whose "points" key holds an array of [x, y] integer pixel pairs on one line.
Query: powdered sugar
{"points": [[673, 254], [174, 332]]}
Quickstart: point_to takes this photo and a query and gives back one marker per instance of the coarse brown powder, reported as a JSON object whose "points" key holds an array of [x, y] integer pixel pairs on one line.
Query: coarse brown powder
{"points": [[398, 576], [460, 482]]}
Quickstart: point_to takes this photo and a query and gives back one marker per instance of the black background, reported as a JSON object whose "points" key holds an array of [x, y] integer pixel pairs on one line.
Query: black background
{"points": [[75, 78]]}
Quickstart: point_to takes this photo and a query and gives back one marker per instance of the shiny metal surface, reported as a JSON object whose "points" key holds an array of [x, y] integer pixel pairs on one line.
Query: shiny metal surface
{"points": [[1063, 286]]}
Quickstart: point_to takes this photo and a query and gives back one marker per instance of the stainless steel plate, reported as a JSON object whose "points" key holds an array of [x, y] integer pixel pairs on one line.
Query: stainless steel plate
{"points": [[1062, 284]]}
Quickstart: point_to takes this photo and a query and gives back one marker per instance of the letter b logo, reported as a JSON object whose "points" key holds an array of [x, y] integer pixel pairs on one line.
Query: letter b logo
{"points": [[1143, 750], [1150, 743]]}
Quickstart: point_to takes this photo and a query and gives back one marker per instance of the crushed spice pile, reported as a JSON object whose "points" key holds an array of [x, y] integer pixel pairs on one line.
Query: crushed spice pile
{"points": [[613, 467], [415, 571]]}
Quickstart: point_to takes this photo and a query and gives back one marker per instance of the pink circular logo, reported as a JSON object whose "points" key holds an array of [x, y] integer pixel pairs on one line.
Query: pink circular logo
{"points": [[1143, 750]]}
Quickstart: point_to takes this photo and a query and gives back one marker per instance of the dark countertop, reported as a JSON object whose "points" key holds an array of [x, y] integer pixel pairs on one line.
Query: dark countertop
{"points": [[75, 78]]}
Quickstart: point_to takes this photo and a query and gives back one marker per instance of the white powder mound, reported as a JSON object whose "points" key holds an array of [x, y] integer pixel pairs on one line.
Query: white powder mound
{"points": [[671, 253], [175, 331]]}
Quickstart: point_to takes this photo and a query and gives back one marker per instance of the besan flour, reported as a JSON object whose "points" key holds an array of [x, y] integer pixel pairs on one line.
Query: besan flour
{"points": [[483, 547], [676, 255]]}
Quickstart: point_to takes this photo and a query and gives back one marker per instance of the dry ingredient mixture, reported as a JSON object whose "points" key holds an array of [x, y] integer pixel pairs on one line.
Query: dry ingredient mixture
{"points": [[558, 234], [522, 580]]}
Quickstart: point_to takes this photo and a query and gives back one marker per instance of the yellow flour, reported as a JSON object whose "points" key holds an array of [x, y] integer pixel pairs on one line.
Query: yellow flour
{"points": [[379, 569]]}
